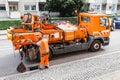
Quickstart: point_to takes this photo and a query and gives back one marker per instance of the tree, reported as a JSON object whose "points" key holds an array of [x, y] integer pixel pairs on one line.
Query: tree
{"points": [[65, 7]]}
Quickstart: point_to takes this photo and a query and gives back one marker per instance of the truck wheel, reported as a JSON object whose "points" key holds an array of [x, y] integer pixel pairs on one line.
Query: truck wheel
{"points": [[95, 46]]}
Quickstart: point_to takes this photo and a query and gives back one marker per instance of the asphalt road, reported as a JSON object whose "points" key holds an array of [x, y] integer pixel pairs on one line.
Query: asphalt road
{"points": [[10, 59]]}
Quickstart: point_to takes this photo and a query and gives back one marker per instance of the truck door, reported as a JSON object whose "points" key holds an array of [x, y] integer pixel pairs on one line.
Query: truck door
{"points": [[104, 23], [104, 26]]}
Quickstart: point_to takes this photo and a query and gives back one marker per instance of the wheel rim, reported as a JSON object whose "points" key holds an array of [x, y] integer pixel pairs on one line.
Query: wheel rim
{"points": [[96, 46]]}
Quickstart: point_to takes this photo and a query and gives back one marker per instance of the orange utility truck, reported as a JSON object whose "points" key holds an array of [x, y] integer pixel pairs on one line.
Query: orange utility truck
{"points": [[91, 33]]}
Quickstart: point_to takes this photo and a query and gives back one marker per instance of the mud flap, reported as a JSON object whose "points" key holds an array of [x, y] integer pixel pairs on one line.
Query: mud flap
{"points": [[21, 68]]}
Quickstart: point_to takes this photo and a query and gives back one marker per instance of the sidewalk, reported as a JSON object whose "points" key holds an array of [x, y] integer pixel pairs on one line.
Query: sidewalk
{"points": [[110, 76]]}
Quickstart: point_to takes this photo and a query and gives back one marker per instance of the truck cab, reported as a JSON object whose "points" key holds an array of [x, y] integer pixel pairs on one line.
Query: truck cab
{"points": [[96, 24]]}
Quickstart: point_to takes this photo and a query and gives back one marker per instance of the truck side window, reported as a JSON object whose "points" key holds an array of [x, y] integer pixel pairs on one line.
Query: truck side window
{"points": [[85, 19], [104, 21]]}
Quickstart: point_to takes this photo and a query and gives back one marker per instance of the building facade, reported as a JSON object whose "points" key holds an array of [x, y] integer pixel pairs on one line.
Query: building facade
{"points": [[14, 8], [104, 6]]}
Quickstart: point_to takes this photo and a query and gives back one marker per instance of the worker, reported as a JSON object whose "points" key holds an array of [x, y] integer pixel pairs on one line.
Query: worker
{"points": [[44, 52]]}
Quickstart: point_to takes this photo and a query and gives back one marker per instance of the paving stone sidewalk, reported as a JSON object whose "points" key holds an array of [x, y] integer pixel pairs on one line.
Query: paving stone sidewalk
{"points": [[87, 69], [110, 76]]}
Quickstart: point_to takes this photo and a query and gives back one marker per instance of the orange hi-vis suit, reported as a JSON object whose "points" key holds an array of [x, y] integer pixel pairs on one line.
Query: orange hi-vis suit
{"points": [[44, 50]]}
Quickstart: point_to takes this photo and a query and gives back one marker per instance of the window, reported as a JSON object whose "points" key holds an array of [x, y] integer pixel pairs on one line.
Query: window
{"points": [[13, 6], [2, 7], [118, 7], [30, 7], [27, 7], [96, 7], [112, 7], [33, 7], [85, 19], [103, 6], [41, 6], [103, 21]]}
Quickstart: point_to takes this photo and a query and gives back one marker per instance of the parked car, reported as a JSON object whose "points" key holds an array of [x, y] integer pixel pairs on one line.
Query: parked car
{"points": [[115, 22]]}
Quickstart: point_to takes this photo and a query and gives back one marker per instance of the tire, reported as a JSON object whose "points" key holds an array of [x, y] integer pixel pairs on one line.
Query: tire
{"points": [[95, 46]]}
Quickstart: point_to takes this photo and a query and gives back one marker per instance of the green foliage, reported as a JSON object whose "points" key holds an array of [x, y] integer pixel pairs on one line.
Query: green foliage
{"points": [[66, 7], [6, 24], [71, 19]]}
